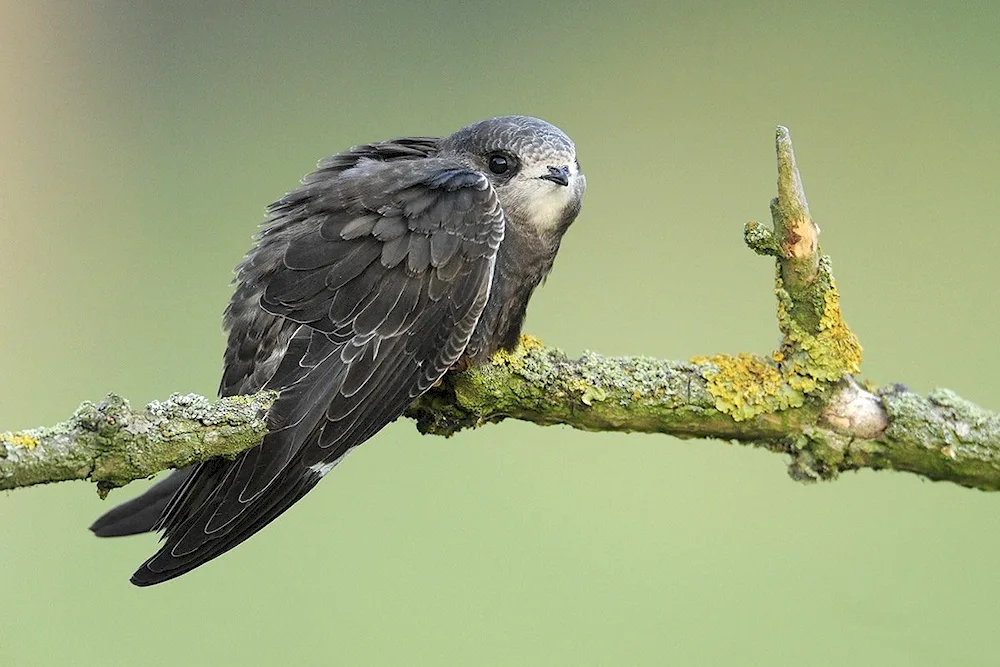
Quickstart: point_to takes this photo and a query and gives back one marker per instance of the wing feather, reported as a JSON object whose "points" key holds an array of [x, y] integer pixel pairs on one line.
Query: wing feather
{"points": [[394, 251], [351, 265], [444, 244], [383, 270]]}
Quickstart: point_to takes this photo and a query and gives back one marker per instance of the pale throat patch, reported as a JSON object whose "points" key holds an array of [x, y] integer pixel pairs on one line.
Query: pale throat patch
{"points": [[547, 207]]}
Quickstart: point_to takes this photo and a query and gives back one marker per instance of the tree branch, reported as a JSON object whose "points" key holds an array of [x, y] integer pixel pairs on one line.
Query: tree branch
{"points": [[111, 444], [801, 400]]}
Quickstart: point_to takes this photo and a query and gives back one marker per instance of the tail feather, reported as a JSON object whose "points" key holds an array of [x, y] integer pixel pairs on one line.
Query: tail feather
{"points": [[164, 565], [140, 514]]}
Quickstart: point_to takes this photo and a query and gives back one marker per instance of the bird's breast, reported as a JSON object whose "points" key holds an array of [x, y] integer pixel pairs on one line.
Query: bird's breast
{"points": [[523, 260]]}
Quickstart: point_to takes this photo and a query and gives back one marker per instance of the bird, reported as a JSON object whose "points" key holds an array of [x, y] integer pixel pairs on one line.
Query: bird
{"points": [[392, 264]]}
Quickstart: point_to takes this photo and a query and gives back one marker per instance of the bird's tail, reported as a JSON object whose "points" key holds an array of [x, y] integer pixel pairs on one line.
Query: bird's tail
{"points": [[140, 514]]}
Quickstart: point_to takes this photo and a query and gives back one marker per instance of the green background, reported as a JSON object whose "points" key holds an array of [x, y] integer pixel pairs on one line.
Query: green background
{"points": [[140, 142]]}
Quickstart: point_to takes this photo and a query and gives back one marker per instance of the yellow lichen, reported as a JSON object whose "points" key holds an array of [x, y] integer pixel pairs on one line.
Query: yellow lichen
{"points": [[244, 399], [515, 357], [829, 354], [842, 346], [745, 385], [19, 440]]}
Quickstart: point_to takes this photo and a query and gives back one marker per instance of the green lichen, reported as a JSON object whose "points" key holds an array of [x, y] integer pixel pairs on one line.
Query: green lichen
{"points": [[533, 362], [593, 395], [760, 239]]}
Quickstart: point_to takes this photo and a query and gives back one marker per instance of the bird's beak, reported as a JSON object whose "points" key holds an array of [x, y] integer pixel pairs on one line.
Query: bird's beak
{"points": [[558, 175]]}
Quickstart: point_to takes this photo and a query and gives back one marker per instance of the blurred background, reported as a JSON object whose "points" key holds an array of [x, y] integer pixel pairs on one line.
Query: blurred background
{"points": [[141, 141]]}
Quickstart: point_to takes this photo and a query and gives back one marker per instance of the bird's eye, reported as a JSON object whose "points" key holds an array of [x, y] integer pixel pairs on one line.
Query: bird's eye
{"points": [[500, 163]]}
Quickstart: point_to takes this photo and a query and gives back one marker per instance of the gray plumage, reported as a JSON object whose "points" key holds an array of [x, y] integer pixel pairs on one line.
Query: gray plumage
{"points": [[393, 263]]}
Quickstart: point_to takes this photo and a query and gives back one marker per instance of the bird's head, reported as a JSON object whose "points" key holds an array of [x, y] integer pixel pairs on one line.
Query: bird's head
{"points": [[532, 165]]}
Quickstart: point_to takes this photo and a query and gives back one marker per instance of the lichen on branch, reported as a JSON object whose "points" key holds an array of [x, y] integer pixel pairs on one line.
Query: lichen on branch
{"points": [[817, 348], [112, 444]]}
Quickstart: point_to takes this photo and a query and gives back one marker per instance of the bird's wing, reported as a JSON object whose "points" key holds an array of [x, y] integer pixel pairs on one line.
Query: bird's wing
{"points": [[253, 354], [384, 271], [252, 357]]}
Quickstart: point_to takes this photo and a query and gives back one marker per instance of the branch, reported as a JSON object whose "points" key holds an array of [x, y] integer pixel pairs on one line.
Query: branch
{"points": [[801, 400]]}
